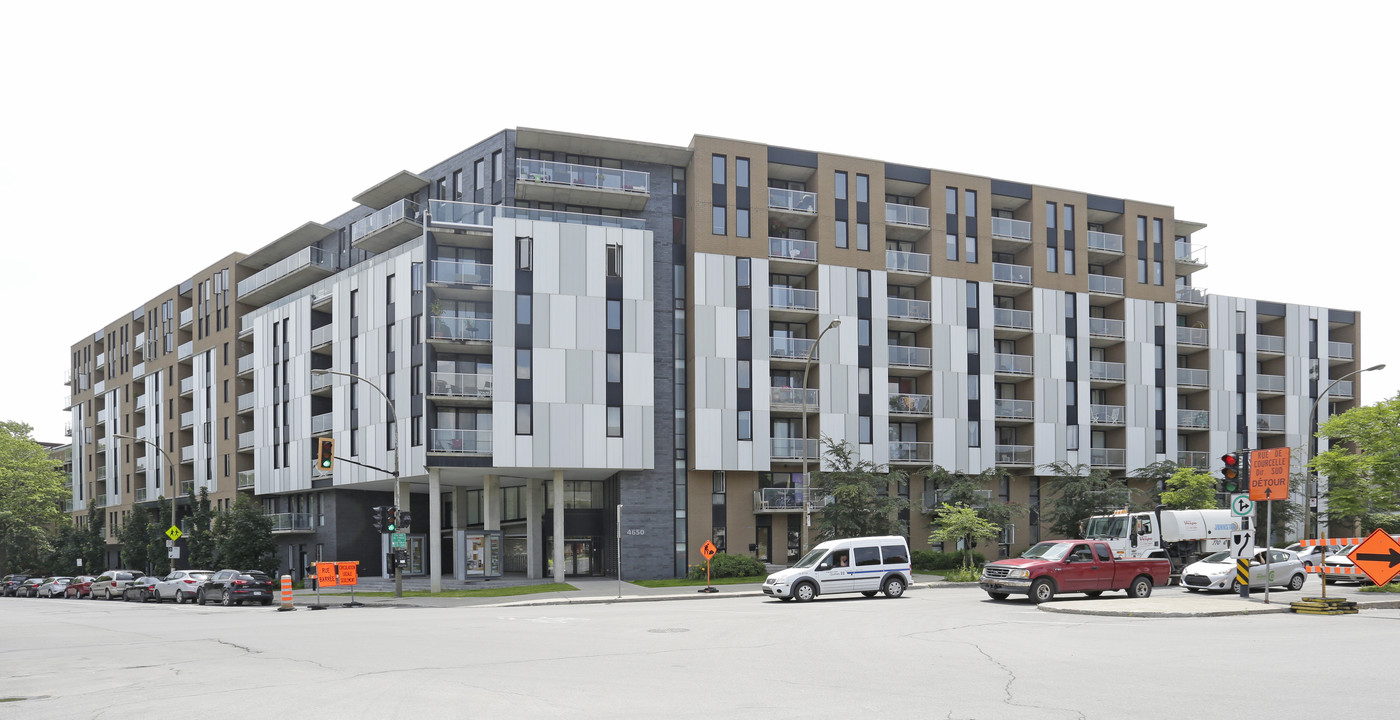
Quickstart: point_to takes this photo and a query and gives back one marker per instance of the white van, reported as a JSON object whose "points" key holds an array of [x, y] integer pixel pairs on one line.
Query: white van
{"points": [[865, 565]]}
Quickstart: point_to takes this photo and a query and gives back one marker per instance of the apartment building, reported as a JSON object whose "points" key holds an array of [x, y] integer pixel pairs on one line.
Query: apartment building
{"points": [[549, 341]]}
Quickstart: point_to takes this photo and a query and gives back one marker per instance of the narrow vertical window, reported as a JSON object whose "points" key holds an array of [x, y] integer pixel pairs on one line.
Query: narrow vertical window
{"points": [[741, 172], [862, 188], [741, 222], [717, 169], [718, 221], [842, 234], [614, 422], [862, 236], [614, 260], [524, 419], [840, 185]]}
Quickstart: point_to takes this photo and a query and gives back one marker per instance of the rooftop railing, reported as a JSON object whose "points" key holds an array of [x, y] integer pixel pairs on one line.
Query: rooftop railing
{"points": [[302, 258], [464, 214], [585, 176], [379, 219]]}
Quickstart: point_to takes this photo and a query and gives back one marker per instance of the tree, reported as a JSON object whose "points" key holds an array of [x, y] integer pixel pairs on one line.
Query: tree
{"points": [[1157, 473], [863, 500], [200, 538], [31, 488], [157, 552], [243, 537], [1079, 492], [1190, 489], [1362, 466], [93, 548], [960, 522], [974, 491], [135, 537]]}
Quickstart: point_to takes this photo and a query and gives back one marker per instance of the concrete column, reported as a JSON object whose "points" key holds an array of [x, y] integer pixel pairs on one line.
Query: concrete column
{"points": [[459, 523], [534, 534], [491, 502], [434, 530], [558, 526]]}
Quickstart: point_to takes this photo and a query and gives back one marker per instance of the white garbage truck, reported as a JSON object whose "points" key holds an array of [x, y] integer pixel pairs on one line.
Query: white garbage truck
{"points": [[1182, 536]]}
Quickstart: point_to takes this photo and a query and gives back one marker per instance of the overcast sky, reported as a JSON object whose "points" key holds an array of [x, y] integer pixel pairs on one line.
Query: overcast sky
{"points": [[143, 141]]}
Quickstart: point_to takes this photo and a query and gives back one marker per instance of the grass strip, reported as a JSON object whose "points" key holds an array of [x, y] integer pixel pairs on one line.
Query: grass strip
{"points": [[686, 582]]}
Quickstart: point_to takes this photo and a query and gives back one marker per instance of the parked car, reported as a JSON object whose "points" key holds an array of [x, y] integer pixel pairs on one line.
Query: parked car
{"points": [[53, 587], [1072, 566], [30, 587], [141, 589], [79, 587], [1310, 554], [9, 585], [109, 585], [234, 587], [182, 585], [867, 565], [1217, 571]]}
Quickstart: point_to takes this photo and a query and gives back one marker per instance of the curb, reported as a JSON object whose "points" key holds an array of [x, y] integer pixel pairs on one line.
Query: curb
{"points": [[1048, 607]]}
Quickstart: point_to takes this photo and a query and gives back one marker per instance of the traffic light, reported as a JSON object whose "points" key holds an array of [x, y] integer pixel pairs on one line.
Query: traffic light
{"points": [[325, 453], [391, 520], [380, 515], [1230, 473], [405, 520]]}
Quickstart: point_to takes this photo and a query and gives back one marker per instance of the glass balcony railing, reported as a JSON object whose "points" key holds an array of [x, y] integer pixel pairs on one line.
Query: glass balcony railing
{"points": [[1108, 371], [245, 479], [786, 500], [1269, 343], [791, 448], [1107, 415], [186, 487], [1339, 350], [1015, 455], [1106, 327], [1199, 419], [1199, 459], [463, 442], [1193, 377], [909, 262], [1189, 295], [1013, 319], [185, 351], [1193, 336], [101, 359], [442, 327], [187, 385], [1008, 273], [911, 452], [1271, 423], [186, 316], [319, 382], [246, 363], [140, 494], [103, 500], [909, 356], [584, 176], [906, 309], [796, 201], [246, 401], [1107, 457], [1105, 284], [322, 335], [909, 404], [1105, 242], [403, 210], [305, 257], [786, 298], [292, 522], [475, 385], [246, 439], [187, 454], [1190, 254], [911, 215], [451, 213], [1343, 389], [1007, 364], [792, 348], [450, 272], [1005, 409], [792, 249], [321, 423], [1008, 229], [187, 419], [1269, 383], [792, 397]]}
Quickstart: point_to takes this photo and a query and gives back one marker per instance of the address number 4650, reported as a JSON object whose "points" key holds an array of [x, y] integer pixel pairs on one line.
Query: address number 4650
{"points": [[637, 531]]}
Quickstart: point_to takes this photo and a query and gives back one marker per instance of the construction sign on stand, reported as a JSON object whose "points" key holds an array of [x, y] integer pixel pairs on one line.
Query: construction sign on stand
{"points": [[1268, 474], [348, 573], [325, 574], [1378, 556]]}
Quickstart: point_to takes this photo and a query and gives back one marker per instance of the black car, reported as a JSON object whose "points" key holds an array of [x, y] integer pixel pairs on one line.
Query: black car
{"points": [[9, 585], [142, 589], [234, 587], [30, 587]]}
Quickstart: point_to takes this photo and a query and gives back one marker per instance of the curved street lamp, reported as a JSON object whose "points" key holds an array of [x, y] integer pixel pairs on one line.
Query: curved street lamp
{"points": [[1309, 436], [807, 483], [173, 477]]}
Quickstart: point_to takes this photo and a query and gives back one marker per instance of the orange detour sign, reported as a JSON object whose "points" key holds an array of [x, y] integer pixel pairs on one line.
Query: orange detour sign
{"points": [[708, 550], [325, 574], [1268, 474], [348, 573], [1378, 556]]}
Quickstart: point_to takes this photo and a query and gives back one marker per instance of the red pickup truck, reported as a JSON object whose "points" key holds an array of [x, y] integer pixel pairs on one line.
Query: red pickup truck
{"points": [[1076, 566]]}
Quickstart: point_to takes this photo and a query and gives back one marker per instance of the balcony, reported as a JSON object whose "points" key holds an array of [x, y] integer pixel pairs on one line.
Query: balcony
{"points": [[1273, 384], [1339, 351], [1193, 419], [911, 453], [791, 448], [68, 376], [187, 385], [68, 427], [1106, 372], [245, 440], [1008, 319], [791, 398], [460, 329], [1108, 457], [321, 424], [461, 275], [460, 442], [322, 336], [1189, 295], [1193, 336], [1270, 424], [445, 387], [187, 454], [1008, 274], [1016, 455], [571, 184], [905, 222], [140, 494], [1008, 229], [786, 298], [789, 249], [785, 500], [910, 356], [1190, 255], [1192, 377], [1004, 409], [292, 522], [187, 420], [103, 415], [1102, 243], [186, 317], [906, 404], [1199, 459], [319, 383], [1107, 328], [100, 473], [1018, 365], [245, 479], [101, 359], [1106, 285], [103, 500], [139, 404], [67, 505], [934, 499], [246, 401], [478, 217], [245, 364], [791, 348], [1342, 390], [287, 275], [793, 207], [907, 262], [1107, 415], [1269, 344], [186, 488], [387, 228], [920, 311]]}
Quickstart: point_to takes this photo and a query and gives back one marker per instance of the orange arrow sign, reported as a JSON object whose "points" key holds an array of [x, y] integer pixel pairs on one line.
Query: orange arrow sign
{"points": [[1378, 556]]}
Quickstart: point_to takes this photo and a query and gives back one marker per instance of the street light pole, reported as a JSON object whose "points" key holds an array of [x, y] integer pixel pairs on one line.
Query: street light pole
{"points": [[393, 417], [807, 481], [174, 480], [1308, 436]]}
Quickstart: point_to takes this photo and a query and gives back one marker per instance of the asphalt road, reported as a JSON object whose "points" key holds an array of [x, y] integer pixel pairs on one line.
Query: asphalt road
{"points": [[945, 653]]}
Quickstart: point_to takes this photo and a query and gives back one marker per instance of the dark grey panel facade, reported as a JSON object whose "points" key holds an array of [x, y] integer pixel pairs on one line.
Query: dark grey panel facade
{"points": [[788, 156], [908, 173], [1011, 189]]}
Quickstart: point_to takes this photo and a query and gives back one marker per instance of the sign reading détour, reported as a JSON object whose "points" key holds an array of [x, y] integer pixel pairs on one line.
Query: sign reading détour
{"points": [[1268, 474]]}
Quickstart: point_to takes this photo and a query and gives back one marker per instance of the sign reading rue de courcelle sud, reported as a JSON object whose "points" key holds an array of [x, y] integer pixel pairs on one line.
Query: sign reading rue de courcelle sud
{"points": [[1268, 474]]}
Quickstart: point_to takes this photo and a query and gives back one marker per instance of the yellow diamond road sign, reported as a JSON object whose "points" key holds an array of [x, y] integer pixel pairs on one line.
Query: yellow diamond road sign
{"points": [[173, 533]]}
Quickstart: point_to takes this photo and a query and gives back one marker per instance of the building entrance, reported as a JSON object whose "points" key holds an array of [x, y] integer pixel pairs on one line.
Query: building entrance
{"points": [[582, 556]]}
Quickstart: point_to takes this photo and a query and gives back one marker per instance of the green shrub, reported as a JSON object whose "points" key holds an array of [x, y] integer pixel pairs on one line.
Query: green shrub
{"points": [[933, 560], [724, 565]]}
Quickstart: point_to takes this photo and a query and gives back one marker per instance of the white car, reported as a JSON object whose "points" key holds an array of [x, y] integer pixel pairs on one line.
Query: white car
{"points": [[1312, 553], [182, 586], [1217, 571], [867, 565]]}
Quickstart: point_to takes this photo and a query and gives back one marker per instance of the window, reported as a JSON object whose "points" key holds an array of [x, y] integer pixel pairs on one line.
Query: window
{"points": [[745, 424], [523, 304], [614, 422], [1052, 257], [522, 363], [1069, 262], [1069, 218], [862, 188], [744, 374], [741, 222], [497, 166], [865, 430], [894, 554], [717, 169], [950, 201], [524, 419], [970, 203], [862, 236], [741, 172], [744, 323], [866, 556], [1050, 215], [614, 260], [523, 251], [971, 250], [840, 185], [614, 314], [842, 234], [479, 173], [972, 295], [717, 220], [952, 246], [614, 367], [741, 267]]}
